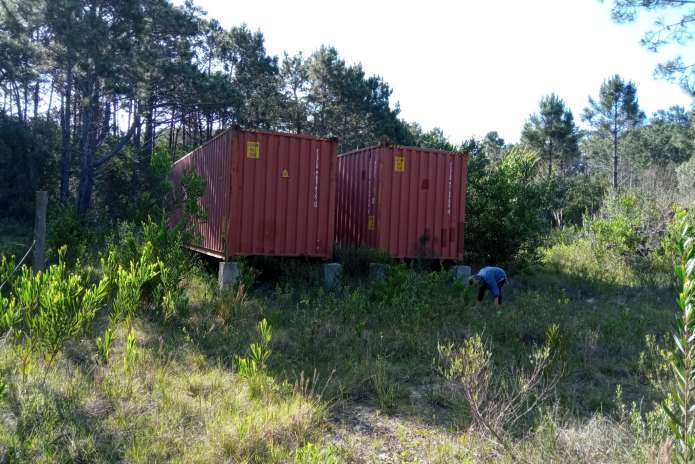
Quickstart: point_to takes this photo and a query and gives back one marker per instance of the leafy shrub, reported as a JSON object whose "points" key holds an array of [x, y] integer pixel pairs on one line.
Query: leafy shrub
{"points": [[194, 188], [128, 282], [7, 266], [581, 258], [175, 262], [406, 296], [104, 345], [630, 241], [259, 353], [44, 310], [161, 247], [505, 213], [131, 352], [583, 198], [617, 232], [625, 222], [570, 199], [496, 400], [665, 256], [682, 359], [153, 199], [67, 229]]}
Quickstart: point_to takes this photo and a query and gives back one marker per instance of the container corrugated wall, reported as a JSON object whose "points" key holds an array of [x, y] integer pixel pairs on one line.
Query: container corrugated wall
{"points": [[213, 162], [407, 201], [272, 194]]}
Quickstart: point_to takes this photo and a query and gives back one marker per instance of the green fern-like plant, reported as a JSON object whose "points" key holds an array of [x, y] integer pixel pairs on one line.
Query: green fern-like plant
{"points": [[130, 352], [682, 359], [44, 310], [129, 282], [104, 345], [259, 353]]}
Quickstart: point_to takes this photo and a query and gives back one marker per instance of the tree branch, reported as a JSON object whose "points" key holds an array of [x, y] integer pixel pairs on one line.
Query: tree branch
{"points": [[119, 146]]}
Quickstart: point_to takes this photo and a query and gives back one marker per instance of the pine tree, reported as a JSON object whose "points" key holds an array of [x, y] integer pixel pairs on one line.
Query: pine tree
{"points": [[615, 113], [552, 132]]}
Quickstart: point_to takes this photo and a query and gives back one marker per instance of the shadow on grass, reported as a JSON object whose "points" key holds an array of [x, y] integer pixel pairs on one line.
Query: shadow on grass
{"points": [[341, 333]]}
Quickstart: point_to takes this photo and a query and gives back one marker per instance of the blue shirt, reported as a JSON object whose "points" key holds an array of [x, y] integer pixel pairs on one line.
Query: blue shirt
{"points": [[493, 276]]}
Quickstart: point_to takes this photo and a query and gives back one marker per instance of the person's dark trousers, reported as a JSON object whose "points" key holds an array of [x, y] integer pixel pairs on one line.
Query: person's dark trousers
{"points": [[481, 290]]}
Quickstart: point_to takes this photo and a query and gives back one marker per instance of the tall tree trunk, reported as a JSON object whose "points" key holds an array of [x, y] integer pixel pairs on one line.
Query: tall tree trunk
{"points": [[18, 101], [66, 149], [172, 134], [175, 147], [50, 100], [137, 147], [149, 131], [615, 146], [144, 155], [114, 126], [36, 100], [26, 100], [615, 160], [88, 145]]}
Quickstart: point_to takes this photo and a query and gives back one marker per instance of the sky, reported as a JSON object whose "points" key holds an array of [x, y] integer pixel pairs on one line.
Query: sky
{"points": [[468, 67]]}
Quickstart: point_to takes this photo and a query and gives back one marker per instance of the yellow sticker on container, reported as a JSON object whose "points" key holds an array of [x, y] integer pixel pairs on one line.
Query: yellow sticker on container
{"points": [[253, 150], [285, 174], [371, 223], [399, 163]]}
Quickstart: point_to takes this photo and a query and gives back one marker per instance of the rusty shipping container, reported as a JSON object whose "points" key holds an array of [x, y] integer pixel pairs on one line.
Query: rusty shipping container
{"points": [[407, 201], [267, 193]]}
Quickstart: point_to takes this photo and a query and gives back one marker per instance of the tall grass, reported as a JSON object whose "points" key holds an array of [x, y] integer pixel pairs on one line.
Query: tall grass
{"points": [[208, 380]]}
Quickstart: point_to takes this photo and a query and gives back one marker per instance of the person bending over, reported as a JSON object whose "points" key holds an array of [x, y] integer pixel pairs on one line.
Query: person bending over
{"points": [[490, 278]]}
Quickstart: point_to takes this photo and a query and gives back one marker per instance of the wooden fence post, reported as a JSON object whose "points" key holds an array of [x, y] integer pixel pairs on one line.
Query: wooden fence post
{"points": [[39, 255]]}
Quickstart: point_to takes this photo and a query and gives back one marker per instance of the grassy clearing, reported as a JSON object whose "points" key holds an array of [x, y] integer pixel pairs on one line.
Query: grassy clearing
{"points": [[175, 404], [352, 376]]}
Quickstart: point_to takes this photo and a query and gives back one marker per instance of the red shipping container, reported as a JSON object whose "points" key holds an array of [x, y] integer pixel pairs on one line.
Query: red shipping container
{"points": [[267, 193], [407, 201]]}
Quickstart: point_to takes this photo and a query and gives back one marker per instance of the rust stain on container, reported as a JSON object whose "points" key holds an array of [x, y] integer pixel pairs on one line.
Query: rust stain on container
{"points": [[267, 194], [408, 201]]}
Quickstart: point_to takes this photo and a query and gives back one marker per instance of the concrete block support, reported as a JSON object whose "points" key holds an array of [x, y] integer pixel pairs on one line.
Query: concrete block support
{"points": [[229, 273], [461, 272], [378, 271], [331, 274]]}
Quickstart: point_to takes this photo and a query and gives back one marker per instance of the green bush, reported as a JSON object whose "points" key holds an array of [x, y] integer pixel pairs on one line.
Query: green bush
{"points": [[163, 248], [128, 282], [406, 296], [7, 266], [42, 311], [505, 215], [67, 229], [629, 241], [583, 198], [581, 258], [625, 222], [194, 188], [154, 199], [570, 199]]}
